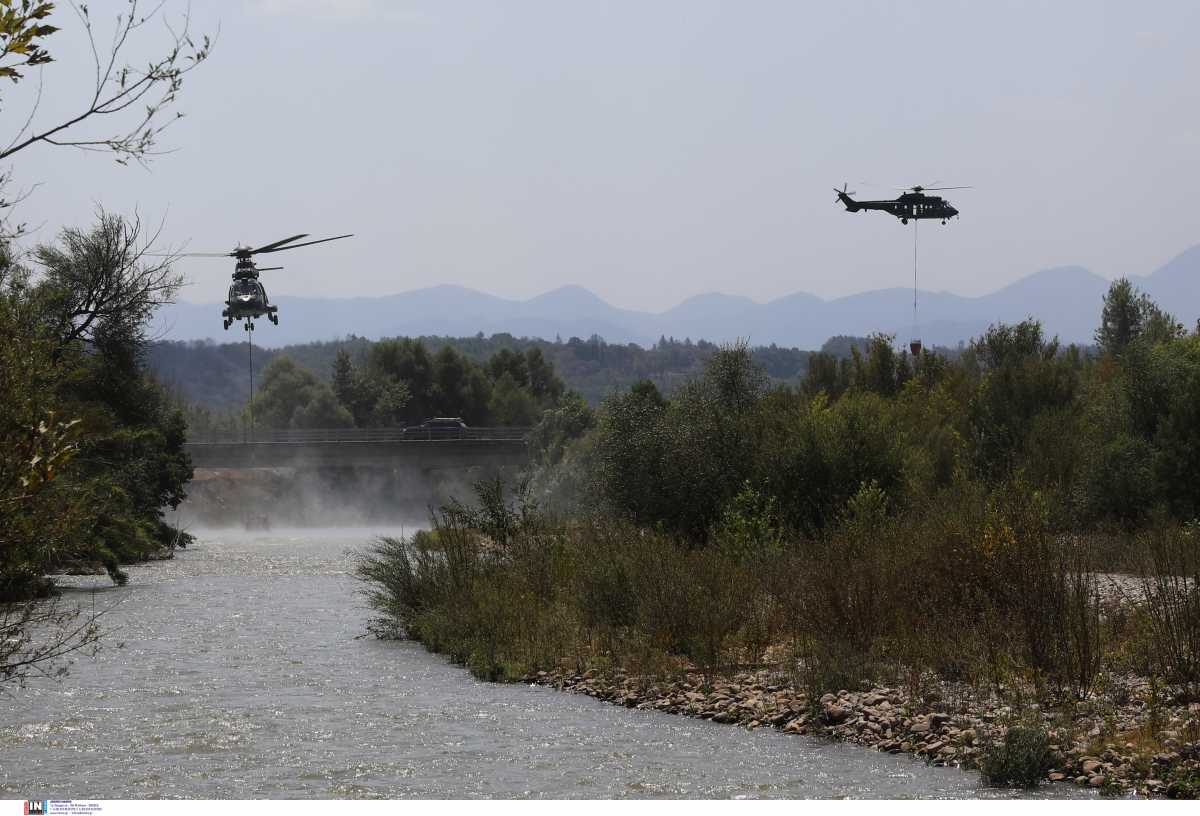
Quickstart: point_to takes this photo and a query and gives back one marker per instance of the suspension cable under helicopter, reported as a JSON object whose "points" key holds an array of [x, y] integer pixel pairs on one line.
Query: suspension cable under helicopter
{"points": [[914, 344]]}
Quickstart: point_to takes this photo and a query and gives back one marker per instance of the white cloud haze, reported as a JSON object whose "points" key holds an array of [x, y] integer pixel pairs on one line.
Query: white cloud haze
{"points": [[651, 151]]}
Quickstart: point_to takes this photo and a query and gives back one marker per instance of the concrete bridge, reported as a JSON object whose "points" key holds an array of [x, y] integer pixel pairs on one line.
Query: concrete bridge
{"points": [[420, 448]]}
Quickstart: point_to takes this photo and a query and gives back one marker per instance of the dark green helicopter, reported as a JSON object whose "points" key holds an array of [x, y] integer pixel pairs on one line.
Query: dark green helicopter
{"points": [[912, 203], [247, 298]]}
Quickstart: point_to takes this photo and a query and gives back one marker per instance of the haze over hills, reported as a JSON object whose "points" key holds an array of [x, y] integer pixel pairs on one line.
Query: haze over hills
{"points": [[1066, 299]]}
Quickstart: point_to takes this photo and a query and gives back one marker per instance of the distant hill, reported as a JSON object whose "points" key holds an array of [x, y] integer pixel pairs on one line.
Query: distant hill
{"points": [[1066, 299]]}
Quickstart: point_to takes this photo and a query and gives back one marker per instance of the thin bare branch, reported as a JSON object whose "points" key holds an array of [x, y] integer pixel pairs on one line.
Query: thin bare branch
{"points": [[117, 89]]}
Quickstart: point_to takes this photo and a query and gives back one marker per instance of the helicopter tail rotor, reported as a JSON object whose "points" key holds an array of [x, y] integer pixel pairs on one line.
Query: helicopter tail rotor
{"points": [[844, 197]]}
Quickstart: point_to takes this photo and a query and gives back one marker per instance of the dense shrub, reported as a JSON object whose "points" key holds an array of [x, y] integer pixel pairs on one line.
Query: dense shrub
{"points": [[1020, 760]]}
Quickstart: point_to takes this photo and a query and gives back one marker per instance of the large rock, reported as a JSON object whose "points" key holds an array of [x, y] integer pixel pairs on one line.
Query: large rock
{"points": [[834, 714]]}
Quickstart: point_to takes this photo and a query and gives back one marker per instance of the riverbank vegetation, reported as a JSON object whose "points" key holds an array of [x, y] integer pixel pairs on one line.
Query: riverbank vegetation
{"points": [[91, 448], [908, 523]]}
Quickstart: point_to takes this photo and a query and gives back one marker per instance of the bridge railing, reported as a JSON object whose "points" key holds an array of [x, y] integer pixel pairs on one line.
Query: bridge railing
{"points": [[299, 436]]}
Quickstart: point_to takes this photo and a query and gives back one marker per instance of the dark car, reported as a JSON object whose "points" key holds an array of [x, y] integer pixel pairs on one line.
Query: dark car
{"points": [[438, 428]]}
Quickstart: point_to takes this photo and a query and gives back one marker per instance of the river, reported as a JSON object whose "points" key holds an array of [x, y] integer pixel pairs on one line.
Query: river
{"points": [[240, 670]]}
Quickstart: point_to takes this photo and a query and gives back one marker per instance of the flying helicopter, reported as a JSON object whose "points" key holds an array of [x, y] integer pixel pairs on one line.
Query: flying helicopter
{"points": [[912, 203], [247, 297]]}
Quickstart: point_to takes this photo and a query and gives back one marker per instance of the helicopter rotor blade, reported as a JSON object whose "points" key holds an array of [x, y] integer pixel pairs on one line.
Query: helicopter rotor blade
{"points": [[307, 243], [274, 244], [924, 187], [187, 254]]}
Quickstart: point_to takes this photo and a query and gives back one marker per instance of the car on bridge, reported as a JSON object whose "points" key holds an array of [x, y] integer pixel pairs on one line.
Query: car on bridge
{"points": [[438, 428]]}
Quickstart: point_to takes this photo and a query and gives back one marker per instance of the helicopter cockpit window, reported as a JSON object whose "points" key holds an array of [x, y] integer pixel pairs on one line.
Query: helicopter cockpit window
{"points": [[242, 288]]}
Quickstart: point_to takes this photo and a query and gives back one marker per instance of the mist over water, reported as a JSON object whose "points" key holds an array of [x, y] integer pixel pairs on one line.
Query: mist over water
{"points": [[327, 498], [240, 669]]}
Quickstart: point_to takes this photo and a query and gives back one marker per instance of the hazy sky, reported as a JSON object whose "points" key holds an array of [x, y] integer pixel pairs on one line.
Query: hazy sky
{"points": [[655, 150]]}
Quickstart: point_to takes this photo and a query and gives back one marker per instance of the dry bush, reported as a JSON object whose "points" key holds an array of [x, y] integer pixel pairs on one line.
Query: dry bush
{"points": [[1169, 571]]}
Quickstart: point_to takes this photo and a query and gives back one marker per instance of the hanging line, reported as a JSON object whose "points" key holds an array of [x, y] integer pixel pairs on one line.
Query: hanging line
{"points": [[250, 400], [916, 326]]}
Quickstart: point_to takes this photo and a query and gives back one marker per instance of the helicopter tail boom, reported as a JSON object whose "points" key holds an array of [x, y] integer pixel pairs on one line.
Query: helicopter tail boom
{"points": [[844, 197]]}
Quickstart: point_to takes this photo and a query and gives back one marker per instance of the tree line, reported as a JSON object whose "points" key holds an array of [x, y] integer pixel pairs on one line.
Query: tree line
{"points": [[216, 375], [889, 518], [400, 382]]}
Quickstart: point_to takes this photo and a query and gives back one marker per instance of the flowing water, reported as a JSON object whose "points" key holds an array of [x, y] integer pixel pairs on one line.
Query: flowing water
{"points": [[240, 670]]}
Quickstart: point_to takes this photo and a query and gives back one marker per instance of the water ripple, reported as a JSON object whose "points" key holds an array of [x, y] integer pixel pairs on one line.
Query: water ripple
{"points": [[243, 676]]}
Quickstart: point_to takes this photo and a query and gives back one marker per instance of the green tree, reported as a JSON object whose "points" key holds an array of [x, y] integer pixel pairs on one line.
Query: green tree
{"points": [[322, 411], [88, 305], [1130, 314], [816, 454], [345, 377], [826, 373], [631, 451], [408, 362], [451, 386], [370, 402], [647, 391], [879, 371], [1022, 378], [679, 462], [545, 386], [102, 279], [559, 426], [292, 397], [510, 404], [1177, 436], [507, 361]]}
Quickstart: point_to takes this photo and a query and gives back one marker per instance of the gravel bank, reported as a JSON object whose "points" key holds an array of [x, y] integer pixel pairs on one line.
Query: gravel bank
{"points": [[1098, 743]]}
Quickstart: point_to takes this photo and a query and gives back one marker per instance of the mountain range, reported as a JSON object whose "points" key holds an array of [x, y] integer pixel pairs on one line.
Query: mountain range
{"points": [[1066, 299]]}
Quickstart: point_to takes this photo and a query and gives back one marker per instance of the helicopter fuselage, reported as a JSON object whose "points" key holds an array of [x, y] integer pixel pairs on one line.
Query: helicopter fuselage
{"points": [[247, 297], [909, 205]]}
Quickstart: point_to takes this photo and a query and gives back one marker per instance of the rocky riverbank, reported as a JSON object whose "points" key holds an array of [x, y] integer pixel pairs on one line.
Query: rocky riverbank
{"points": [[1125, 747]]}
